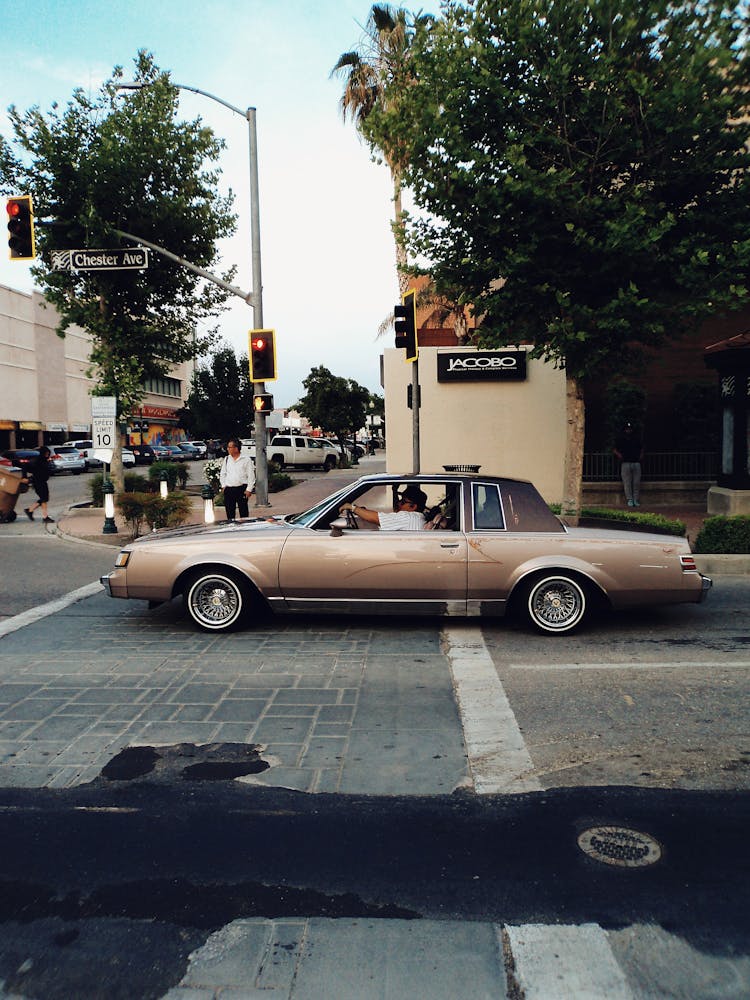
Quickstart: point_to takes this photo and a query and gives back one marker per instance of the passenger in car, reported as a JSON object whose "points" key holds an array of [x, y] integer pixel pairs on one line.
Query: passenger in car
{"points": [[409, 515]]}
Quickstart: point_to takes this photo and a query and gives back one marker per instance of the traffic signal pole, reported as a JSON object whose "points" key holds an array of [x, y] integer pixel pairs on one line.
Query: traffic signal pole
{"points": [[255, 298]]}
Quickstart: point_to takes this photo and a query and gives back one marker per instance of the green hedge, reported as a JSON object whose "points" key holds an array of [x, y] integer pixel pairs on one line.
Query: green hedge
{"points": [[631, 519], [177, 472], [724, 535]]}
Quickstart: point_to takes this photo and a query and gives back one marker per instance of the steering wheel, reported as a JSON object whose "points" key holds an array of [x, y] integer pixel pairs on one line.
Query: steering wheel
{"points": [[351, 520]]}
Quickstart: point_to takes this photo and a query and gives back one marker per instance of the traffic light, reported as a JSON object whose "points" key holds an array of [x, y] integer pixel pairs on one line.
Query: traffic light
{"points": [[21, 228], [263, 402], [406, 326], [262, 355]]}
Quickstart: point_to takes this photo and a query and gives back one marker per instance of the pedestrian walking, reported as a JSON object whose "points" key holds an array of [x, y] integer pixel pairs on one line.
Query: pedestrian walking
{"points": [[40, 473]]}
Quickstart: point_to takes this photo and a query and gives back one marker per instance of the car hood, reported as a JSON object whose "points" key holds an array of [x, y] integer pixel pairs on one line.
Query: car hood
{"points": [[240, 529]]}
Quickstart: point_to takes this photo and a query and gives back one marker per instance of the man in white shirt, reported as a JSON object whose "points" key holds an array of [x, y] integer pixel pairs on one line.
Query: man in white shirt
{"points": [[237, 478], [408, 517]]}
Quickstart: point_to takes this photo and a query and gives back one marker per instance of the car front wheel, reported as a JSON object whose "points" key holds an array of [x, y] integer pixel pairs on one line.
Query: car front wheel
{"points": [[216, 600], [330, 463], [556, 603]]}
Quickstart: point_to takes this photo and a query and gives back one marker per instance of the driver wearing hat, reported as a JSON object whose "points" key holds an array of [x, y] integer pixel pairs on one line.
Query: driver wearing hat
{"points": [[408, 516]]}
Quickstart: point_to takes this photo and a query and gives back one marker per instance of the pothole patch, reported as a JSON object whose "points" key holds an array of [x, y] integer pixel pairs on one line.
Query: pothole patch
{"points": [[620, 846], [188, 761]]}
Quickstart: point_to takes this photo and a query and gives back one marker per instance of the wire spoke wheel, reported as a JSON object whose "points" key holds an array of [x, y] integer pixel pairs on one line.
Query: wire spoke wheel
{"points": [[556, 604], [215, 601]]}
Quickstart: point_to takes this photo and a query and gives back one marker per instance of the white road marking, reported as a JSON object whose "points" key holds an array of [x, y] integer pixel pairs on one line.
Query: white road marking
{"points": [[653, 665], [557, 962], [498, 758], [43, 610]]}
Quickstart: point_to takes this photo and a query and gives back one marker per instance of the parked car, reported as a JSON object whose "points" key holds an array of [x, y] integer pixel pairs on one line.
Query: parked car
{"points": [[144, 454], [86, 448], [67, 458], [128, 458], [23, 458], [189, 451], [160, 453], [174, 453], [354, 448], [296, 449], [495, 547], [200, 446]]}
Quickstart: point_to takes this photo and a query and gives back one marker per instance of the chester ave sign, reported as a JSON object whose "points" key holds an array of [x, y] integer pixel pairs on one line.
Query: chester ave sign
{"points": [[135, 258]]}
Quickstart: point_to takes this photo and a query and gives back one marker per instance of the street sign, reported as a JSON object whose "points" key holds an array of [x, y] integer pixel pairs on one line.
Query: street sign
{"points": [[104, 426], [134, 258]]}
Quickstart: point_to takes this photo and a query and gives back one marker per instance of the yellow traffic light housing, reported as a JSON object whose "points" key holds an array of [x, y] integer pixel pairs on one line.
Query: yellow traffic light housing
{"points": [[406, 326], [262, 354], [21, 244]]}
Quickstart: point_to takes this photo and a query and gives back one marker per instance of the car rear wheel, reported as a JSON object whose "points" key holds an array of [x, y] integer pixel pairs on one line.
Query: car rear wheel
{"points": [[216, 600], [556, 604], [279, 460]]}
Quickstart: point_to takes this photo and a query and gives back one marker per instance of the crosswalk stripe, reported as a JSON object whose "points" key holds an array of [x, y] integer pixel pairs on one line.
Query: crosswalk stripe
{"points": [[498, 757]]}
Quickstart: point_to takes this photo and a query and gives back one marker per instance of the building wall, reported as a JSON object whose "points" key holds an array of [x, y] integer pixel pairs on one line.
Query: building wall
{"points": [[514, 428], [45, 393]]}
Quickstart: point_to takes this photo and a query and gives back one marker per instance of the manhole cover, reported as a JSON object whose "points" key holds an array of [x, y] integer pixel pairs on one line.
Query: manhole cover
{"points": [[617, 845]]}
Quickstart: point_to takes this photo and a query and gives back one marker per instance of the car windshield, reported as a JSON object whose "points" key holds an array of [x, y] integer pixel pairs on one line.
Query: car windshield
{"points": [[308, 516]]}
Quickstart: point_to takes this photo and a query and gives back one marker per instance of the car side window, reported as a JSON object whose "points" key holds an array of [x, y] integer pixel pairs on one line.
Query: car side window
{"points": [[486, 507]]}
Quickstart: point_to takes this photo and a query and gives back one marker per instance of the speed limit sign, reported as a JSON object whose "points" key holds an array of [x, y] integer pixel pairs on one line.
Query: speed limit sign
{"points": [[104, 426], [104, 432]]}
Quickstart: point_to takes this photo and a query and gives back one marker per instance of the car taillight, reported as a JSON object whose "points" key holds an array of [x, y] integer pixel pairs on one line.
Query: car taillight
{"points": [[688, 564]]}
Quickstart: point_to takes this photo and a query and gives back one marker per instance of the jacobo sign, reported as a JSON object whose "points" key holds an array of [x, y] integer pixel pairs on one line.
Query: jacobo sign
{"points": [[481, 366]]}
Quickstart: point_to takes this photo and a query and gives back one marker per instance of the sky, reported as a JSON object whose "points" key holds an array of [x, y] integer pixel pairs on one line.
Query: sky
{"points": [[327, 251]]}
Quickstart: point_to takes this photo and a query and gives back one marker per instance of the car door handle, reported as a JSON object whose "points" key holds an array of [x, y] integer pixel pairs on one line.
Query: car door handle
{"points": [[449, 545]]}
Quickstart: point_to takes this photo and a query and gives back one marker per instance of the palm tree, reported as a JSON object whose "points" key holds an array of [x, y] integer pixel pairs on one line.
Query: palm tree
{"points": [[379, 65]]}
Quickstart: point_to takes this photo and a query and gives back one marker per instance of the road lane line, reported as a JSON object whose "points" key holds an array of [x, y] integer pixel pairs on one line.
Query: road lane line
{"points": [[557, 962], [50, 608], [498, 758]]}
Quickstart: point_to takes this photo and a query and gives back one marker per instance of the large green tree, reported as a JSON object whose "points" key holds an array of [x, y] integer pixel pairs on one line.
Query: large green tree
{"points": [[334, 404], [220, 402], [124, 162], [582, 171]]}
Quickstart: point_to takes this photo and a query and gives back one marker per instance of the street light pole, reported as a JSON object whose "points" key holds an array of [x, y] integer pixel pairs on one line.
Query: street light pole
{"points": [[256, 296]]}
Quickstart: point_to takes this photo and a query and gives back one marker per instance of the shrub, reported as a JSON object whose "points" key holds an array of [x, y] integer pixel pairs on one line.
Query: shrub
{"points": [[155, 511], [631, 519], [134, 482], [175, 472], [278, 481], [724, 535], [169, 512], [132, 507]]}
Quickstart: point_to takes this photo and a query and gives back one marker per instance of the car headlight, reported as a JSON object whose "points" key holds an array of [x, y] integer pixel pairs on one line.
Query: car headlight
{"points": [[122, 558]]}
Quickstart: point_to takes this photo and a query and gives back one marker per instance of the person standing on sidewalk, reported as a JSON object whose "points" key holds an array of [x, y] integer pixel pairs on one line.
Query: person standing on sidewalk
{"points": [[237, 478], [40, 473], [629, 450]]}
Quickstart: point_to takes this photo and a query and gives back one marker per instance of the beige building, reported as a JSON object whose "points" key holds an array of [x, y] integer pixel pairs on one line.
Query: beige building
{"points": [[498, 409], [45, 394]]}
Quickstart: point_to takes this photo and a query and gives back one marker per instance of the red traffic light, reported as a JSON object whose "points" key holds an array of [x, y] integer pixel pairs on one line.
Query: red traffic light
{"points": [[20, 228], [262, 355]]}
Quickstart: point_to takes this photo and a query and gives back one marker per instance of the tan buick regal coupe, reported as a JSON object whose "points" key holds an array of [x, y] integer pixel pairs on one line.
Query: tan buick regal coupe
{"points": [[487, 545]]}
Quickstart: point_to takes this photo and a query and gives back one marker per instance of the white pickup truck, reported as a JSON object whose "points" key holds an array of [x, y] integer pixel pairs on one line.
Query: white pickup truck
{"points": [[295, 449]]}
